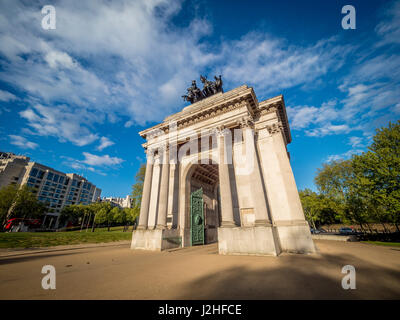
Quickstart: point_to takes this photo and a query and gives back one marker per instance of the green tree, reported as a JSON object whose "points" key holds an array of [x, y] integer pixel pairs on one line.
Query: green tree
{"points": [[74, 213], [20, 203], [318, 209], [378, 180], [104, 214], [337, 182], [95, 208], [137, 189], [7, 196], [118, 215], [332, 182], [131, 215], [311, 206]]}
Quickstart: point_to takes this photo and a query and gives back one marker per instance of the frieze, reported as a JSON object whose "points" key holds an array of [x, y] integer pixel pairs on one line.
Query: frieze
{"points": [[204, 115]]}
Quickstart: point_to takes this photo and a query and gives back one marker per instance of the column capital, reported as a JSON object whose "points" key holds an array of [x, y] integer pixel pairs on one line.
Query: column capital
{"points": [[221, 131], [149, 156], [275, 128], [245, 122]]}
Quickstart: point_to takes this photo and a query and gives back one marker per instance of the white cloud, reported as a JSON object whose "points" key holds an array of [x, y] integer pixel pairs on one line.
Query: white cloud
{"points": [[22, 142], [78, 165], [105, 160], [370, 87], [107, 57], [128, 124], [7, 96], [356, 142], [301, 116], [317, 122], [396, 108], [109, 61], [104, 143], [389, 29], [271, 64], [62, 123], [59, 59], [125, 58], [343, 156], [328, 129]]}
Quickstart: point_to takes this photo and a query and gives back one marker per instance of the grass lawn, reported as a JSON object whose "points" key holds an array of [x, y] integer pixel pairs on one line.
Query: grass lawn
{"points": [[48, 239], [381, 243]]}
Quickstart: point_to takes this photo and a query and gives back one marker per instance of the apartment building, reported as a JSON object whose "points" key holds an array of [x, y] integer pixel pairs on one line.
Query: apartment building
{"points": [[11, 168], [96, 195], [119, 202], [54, 188]]}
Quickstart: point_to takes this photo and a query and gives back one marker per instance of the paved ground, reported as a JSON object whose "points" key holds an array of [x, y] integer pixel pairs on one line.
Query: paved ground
{"points": [[116, 272]]}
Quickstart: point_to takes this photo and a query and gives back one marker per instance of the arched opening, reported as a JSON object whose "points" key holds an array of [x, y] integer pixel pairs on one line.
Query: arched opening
{"points": [[204, 178]]}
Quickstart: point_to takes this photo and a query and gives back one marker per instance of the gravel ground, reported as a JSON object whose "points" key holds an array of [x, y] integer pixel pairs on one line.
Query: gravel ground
{"points": [[116, 272]]}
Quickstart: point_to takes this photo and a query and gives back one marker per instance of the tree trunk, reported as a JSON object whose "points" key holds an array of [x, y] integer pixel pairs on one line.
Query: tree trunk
{"points": [[397, 227], [11, 209], [87, 226], [83, 220], [94, 219]]}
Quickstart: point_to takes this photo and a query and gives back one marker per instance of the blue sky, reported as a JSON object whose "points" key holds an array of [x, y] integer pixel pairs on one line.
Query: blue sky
{"points": [[75, 98]]}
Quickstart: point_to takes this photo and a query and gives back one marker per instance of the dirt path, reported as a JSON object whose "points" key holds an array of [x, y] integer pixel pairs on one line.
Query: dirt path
{"points": [[116, 272]]}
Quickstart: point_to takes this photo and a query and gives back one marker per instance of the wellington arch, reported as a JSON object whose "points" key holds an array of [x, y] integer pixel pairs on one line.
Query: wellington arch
{"points": [[219, 171]]}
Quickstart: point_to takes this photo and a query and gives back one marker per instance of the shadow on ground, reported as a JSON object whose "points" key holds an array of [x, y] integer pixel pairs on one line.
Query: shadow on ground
{"points": [[31, 257], [298, 277]]}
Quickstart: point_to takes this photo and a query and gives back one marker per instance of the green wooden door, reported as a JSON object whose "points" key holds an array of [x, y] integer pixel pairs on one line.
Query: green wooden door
{"points": [[197, 217]]}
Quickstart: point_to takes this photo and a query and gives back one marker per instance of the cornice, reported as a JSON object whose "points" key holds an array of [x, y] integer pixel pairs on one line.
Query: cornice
{"points": [[206, 109], [277, 104]]}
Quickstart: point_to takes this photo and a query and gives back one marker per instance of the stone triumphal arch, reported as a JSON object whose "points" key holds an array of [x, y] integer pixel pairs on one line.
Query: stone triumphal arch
{"points": [[219, 171]]}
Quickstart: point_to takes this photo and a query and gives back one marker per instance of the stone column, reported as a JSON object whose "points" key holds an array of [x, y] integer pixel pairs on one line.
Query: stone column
{"points": [[256, 185], [173, 192], [224, 184], [296, 211], [163, 200], [144, 206]]}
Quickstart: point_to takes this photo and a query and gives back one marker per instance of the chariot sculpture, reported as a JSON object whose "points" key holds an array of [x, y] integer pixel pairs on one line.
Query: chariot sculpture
{"points": [[210, 88]]}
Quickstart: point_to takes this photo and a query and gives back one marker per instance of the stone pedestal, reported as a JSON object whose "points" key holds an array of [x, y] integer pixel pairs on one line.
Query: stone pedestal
{"points": [[296, 237], [155, 239], [248, 240]]}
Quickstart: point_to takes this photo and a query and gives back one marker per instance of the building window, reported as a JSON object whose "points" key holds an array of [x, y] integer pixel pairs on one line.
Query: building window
{"points": [[33, 172]]}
